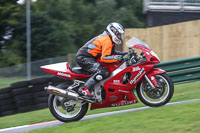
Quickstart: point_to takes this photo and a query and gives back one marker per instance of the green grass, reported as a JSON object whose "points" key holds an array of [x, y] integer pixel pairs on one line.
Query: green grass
{"points": [[186, 91], [182, 92], [172, 119], [5, 82]]}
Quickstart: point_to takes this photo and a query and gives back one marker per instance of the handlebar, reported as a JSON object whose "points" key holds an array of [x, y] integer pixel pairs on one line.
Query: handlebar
{"points": [[134, 57]]}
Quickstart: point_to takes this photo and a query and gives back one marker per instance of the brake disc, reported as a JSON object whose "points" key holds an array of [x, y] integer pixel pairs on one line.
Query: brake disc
{"points": [[68, 105]]}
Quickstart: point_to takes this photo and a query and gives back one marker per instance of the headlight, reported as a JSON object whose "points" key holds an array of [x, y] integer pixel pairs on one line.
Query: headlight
{"points": [[154, 54]]}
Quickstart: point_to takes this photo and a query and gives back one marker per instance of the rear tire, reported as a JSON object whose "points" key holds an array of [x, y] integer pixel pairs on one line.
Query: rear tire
{"points": [[56, 106], [159, 97], [64, 117]]}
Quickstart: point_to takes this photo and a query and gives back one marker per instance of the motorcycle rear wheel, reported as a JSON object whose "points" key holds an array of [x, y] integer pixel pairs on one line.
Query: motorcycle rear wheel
{"points": [[66, 110], [159, 96]]}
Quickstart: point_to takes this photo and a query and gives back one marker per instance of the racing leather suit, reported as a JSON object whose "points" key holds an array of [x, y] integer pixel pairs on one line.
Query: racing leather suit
{"points": [[99, 47]]}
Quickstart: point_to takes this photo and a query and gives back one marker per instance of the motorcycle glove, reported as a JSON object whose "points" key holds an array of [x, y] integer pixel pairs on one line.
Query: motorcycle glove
{"points": [[124, 53], [124, 58]]}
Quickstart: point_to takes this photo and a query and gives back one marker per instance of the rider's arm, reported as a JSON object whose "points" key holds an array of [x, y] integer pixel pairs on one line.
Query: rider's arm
{"points": [[106, 53], [116, 52]]}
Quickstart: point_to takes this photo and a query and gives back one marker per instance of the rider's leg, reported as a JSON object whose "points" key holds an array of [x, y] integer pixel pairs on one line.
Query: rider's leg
{"points": [[99, 73]]}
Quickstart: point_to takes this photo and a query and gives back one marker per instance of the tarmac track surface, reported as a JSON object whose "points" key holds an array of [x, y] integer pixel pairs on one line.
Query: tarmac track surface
{"points": [[21, 129]]}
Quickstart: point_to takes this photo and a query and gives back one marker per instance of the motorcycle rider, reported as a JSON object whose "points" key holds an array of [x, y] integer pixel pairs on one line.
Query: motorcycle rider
{"points": [[103, 47]]}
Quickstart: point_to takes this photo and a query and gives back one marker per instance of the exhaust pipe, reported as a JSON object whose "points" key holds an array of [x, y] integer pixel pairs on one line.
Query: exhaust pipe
{"points": [[63, 93]]}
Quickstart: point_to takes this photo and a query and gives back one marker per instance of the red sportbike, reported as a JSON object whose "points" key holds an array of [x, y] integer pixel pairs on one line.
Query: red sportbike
{"points": [[153, 86]]}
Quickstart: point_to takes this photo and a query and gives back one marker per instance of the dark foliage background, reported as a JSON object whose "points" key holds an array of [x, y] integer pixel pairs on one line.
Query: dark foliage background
{"points": [[59, 27]]}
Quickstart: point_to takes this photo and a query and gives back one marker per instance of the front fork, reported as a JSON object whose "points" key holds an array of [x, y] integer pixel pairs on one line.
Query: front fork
{"points": [[152, 83], [150, 77]]}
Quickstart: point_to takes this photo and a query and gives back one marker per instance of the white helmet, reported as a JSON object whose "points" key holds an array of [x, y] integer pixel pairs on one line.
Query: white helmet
{"points": [[116, 30]]}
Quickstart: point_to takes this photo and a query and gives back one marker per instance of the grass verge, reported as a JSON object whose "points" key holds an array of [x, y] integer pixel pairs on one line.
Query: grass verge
{"points": [[182, 92], [172, 119]]}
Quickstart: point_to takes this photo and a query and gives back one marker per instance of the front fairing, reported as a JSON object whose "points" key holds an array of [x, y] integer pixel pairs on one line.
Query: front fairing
{"points": [[134, 42], [148, 52]]}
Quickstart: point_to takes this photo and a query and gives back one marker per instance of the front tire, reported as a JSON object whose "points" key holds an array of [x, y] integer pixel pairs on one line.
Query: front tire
{"points": [[158, 96]]}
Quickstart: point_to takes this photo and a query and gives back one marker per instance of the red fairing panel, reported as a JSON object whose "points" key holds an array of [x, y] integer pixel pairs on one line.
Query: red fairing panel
{"points": [[116, 90], [110, 66], [62, 70], [155, 71], [145, 50], [152, 74]]}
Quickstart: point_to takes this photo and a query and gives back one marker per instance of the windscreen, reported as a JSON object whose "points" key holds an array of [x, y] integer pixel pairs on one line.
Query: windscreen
{"points": [[134, 41]]}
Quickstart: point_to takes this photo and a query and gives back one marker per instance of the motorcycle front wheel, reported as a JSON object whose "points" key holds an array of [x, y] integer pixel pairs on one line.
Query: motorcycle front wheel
{"points": [[158, 96]]}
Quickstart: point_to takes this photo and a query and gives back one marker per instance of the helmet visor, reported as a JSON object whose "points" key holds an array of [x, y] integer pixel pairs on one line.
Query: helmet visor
{"points": [[119, 36]]}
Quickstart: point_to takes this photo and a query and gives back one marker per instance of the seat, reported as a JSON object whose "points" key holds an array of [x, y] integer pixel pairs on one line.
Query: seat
{"points": [[79, 70]]}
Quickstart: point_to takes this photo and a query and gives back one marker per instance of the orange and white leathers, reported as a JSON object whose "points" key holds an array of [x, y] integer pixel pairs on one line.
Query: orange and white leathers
{"points": [[99, 47]]}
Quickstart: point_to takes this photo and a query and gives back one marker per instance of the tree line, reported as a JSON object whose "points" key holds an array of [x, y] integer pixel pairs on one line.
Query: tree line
{"points": [[59, 27]]}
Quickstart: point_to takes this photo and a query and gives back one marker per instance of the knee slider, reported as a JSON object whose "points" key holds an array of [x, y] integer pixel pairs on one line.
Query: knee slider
{"points": [[103, 71], [98, 77]]}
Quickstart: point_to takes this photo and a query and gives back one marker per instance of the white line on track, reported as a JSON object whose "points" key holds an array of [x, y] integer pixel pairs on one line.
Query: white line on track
{"points": [[20, 129]]}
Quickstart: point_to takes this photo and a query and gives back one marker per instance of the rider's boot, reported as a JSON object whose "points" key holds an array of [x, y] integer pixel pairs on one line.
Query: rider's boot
{"points": [[84, 91]]}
